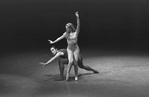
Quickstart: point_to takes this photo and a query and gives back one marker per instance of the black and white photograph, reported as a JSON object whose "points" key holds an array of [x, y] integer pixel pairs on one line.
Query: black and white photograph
{"points": [[74, 48]]}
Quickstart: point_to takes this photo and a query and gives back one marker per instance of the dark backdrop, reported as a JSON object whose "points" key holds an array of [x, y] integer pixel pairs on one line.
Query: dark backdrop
{"points": [[105, 24]]}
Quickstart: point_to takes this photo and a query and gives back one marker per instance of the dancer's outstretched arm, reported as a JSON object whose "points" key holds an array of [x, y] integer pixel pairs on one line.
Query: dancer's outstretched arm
{"points": [[52, 59], [58, 39]]}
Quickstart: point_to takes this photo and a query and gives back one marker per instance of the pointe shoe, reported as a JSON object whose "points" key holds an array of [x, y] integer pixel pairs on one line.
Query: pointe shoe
{"points": [[67, 77], [76, 78]]}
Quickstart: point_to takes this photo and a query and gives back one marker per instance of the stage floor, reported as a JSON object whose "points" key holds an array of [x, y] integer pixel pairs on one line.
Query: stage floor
{"points": [[120, 75]]}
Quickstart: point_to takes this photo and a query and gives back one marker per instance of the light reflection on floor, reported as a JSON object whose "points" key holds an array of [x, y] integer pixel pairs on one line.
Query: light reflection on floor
{"points": [[120, 75]]}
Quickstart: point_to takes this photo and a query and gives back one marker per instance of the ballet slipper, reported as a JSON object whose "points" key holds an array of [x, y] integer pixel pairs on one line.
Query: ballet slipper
{"points": [[95, 71], [76, 78]]}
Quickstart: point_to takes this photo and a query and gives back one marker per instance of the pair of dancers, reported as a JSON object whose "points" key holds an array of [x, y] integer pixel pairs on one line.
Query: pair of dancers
{"points": [[73, 51], [62, 54]]}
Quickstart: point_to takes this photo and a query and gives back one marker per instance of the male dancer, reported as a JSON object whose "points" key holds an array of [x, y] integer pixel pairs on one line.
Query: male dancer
{"points": [[62, 53]]}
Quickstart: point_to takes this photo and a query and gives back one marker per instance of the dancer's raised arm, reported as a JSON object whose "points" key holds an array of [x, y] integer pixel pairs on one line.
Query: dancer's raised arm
{"points": [[78, 22]]}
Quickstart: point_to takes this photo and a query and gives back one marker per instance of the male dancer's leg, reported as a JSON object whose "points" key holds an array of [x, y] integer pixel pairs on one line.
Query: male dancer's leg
{"points": [[80, 64], [62, 62]]}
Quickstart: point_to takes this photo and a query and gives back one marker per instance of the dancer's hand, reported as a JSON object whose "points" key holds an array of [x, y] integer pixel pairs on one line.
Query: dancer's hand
{"points": [[43, 64], [51, 42], [77, 14]]}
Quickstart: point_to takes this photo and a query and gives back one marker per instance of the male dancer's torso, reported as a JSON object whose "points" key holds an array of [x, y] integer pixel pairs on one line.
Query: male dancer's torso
{"points": [[65, 55]]}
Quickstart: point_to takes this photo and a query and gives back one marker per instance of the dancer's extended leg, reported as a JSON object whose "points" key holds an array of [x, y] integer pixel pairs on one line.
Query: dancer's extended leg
{"points": [[81, 65]]}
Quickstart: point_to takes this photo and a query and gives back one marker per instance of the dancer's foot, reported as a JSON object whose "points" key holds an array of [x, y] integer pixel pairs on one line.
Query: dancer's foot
{"points": [[95, 71], [67, 77], [76, 78]]}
